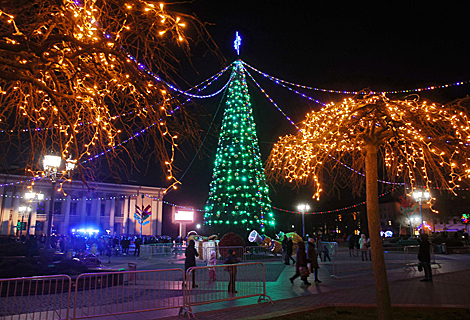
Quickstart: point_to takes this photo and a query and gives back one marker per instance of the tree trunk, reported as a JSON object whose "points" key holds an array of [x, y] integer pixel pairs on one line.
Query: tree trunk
{"points": [[384, 305]]}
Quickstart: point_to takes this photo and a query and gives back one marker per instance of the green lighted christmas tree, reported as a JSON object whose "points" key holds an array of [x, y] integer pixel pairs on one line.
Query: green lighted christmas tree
{"points": [[239, 196]]}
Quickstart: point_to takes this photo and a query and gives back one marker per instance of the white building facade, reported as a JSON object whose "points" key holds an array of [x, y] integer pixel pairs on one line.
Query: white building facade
{"points": [[109, 208]]}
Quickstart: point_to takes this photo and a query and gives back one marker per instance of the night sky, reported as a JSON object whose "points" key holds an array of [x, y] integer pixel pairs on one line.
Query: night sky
{"points": [[324, 45]]}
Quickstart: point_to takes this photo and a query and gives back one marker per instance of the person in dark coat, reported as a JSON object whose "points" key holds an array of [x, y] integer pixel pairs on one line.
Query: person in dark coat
{"points": [[301, 263], [312, 258], [290, 245], [424, 257], [351, 244], [138, 243], [190, 260], [232, 270], [284, 250]]}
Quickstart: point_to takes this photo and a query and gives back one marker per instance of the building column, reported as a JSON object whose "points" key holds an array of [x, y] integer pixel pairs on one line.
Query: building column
{"points": [[123, 205], [32, 218], [156, 217], [82, 211], [132, 221], [65, 230], [125, 214], [14, 215], [111, 215], [8, 197], [96, 208]]}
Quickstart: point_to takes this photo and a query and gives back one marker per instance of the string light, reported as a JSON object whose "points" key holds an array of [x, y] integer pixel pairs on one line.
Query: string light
{"points": [[238, 193], [69, 94], [416, 90], [409, 134]]}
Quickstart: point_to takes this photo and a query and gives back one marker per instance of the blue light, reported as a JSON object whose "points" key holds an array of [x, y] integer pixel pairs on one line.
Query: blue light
{"points": [[237, 43]]}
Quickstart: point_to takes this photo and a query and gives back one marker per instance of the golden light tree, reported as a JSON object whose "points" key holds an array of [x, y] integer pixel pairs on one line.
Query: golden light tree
{"points": [[80, 76], [419, 143]]}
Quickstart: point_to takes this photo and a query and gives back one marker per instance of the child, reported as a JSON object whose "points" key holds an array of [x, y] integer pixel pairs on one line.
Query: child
{"points": [[326, 253], [212, 262]]}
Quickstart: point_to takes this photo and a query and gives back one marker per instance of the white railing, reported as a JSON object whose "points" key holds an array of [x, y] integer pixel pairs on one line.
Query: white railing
{"points": [[148, 251]]}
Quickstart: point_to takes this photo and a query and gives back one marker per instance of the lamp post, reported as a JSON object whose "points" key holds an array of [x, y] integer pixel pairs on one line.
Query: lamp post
{"points": [[303, 208], [419, 196], [51, 165], [415, 219]]}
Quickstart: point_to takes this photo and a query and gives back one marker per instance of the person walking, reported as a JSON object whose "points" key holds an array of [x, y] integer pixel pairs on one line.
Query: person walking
{"points": [[326, 253], [290, 246], [301, 269], [137, 243], [424, 257], [312, 258], [319, 247], [351, 243], [363, 246], [284, 250], [212, 262], [232, 270], [190, 260]]}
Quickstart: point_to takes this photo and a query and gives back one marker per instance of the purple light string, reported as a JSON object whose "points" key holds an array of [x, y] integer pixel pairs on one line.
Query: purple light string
{"points": [[291, 122], [277, 80], [271, 100], [289, 88]]}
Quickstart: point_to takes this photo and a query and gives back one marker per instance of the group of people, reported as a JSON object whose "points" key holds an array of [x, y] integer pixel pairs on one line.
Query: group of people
{"points": [[360, 243], [307, 261], [190, 262]]}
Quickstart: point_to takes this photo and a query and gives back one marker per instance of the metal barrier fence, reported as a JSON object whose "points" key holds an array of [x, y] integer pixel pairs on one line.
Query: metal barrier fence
{"points": [[411, 256], [44, 297], [225, 282], [147, 251], [114, 293], [256, 253], [252, 253], [99, 294], [352, 262]]}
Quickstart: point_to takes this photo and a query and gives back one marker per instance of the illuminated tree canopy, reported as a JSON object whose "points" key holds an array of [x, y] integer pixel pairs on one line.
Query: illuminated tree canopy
{"points": [[419, 143], [79, 77]]}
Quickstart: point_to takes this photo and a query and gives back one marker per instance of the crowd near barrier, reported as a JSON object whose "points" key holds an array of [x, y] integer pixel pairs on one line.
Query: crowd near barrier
{"points": [[114, 293]]}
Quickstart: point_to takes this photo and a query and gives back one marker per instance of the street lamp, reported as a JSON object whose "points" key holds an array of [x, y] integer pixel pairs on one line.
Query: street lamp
{"points": [[51, 165], [303, 208], [419, 196]]}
